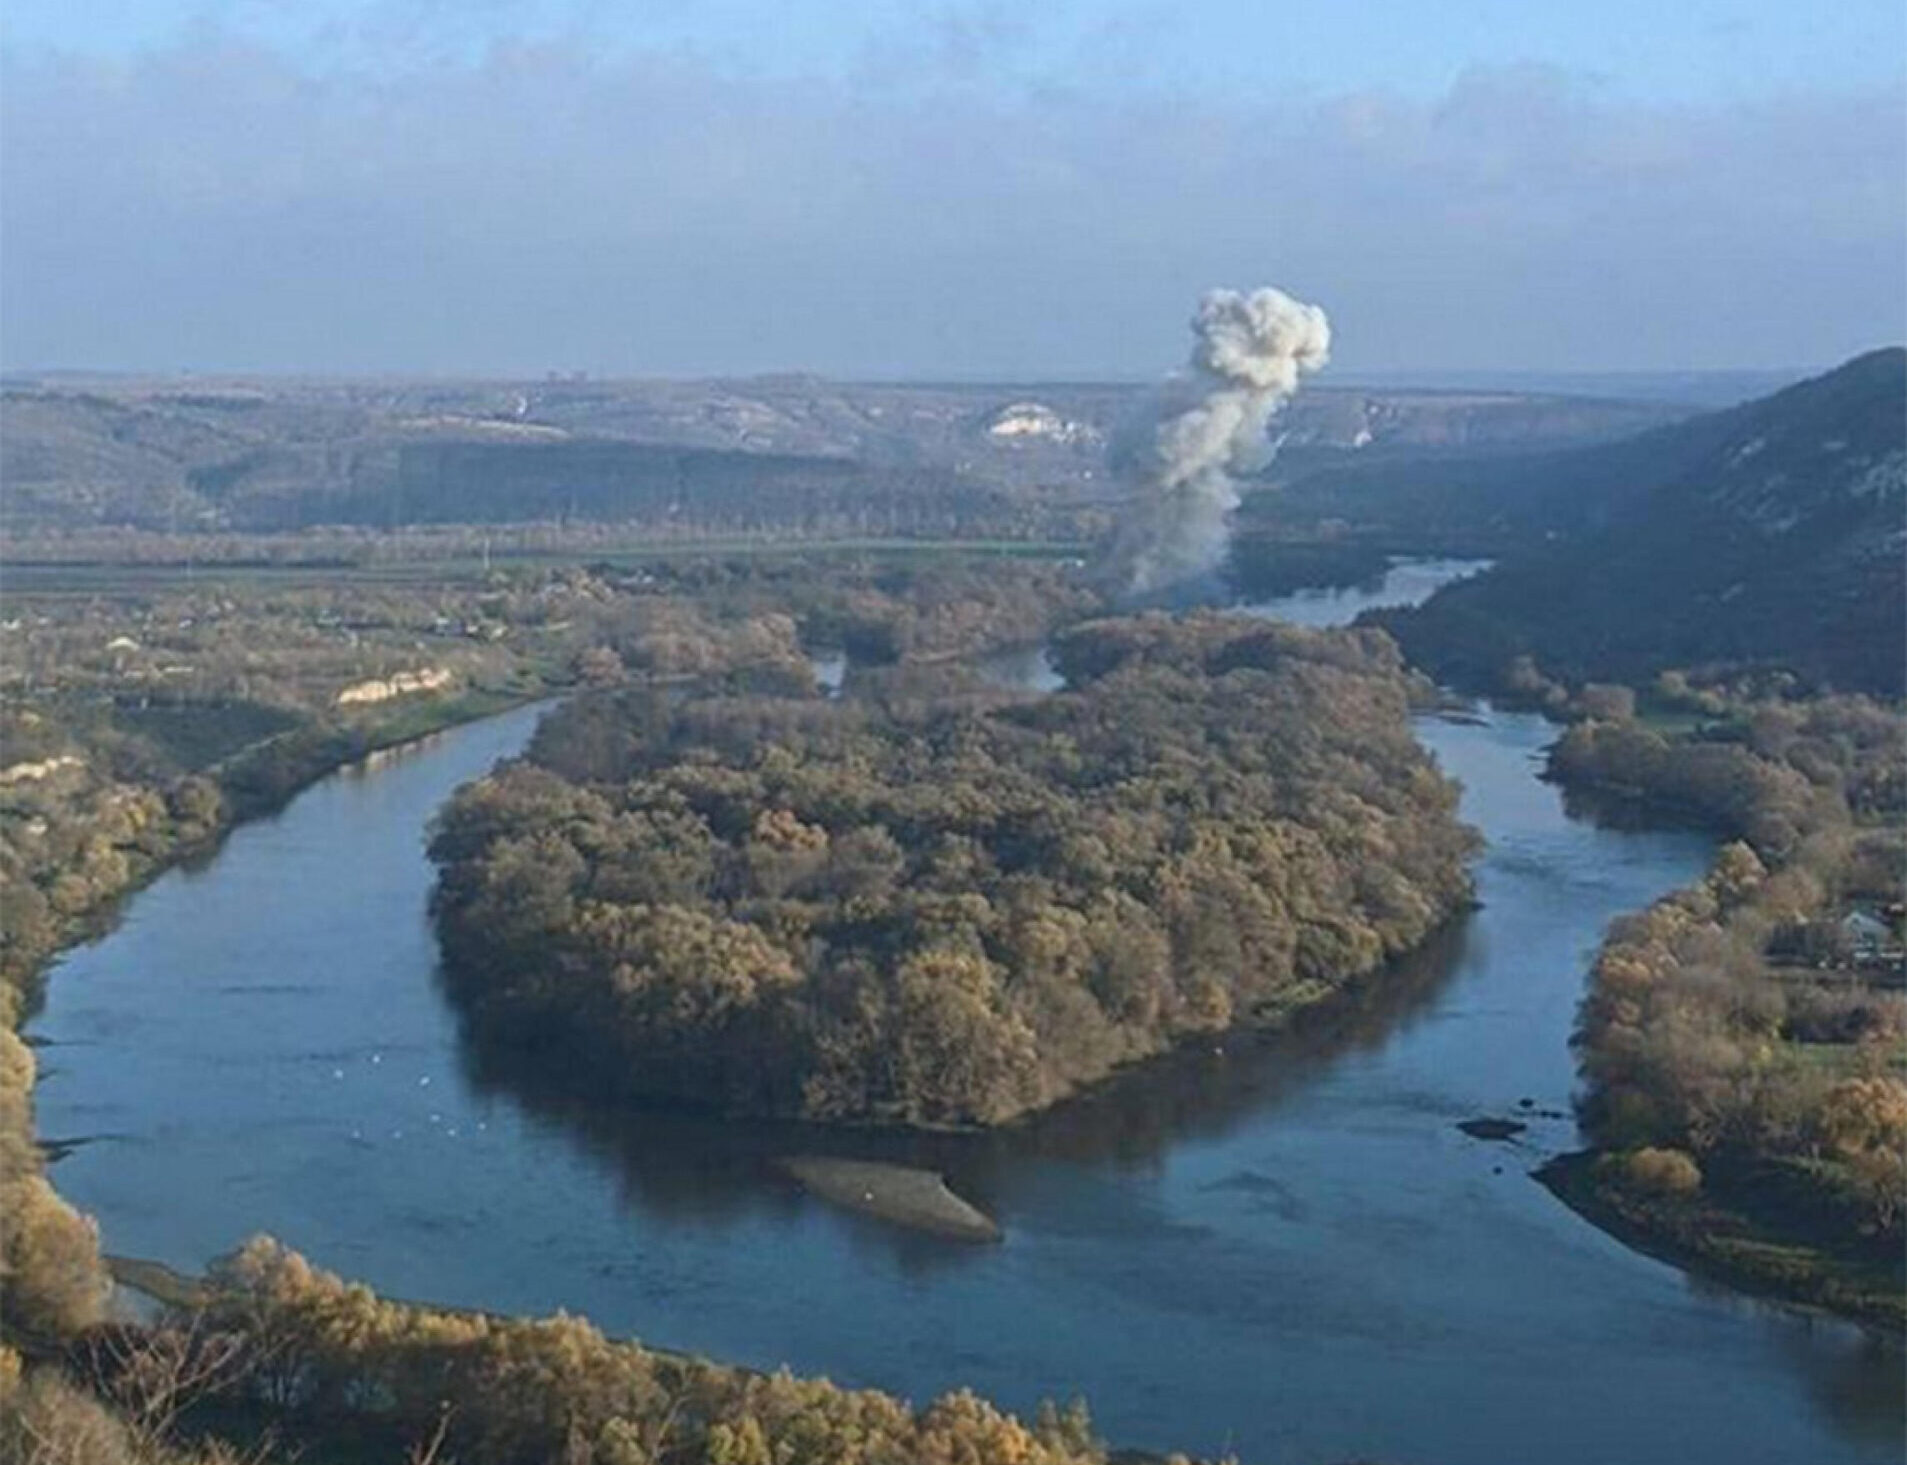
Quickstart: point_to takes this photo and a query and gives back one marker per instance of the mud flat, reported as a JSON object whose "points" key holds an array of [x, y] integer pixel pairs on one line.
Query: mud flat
{"points": [[901, 1194]]}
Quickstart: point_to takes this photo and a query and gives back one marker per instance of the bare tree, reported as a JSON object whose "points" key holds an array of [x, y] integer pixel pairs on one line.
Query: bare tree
{"points": [[153, 1375]]}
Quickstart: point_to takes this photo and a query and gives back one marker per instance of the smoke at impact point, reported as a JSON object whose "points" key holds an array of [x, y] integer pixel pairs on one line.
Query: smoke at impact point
{"points": [[1250, 350]]}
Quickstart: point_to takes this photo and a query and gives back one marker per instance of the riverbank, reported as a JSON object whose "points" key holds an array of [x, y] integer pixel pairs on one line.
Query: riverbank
{"points": [[262, 779], [259, 781], [349, 1440], [1704, 1235], [1744, 1092], [57, 1284], [344, 1375]]}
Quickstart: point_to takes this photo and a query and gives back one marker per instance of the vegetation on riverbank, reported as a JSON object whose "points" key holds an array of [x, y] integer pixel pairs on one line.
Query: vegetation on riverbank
{"points": [[933, 904], [1708, 1232], [1745, 1078], [137, 730], [285, 1358], [1743, 1071]]}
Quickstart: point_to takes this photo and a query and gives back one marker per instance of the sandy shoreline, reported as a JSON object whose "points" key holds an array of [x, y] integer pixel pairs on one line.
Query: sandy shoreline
{"points": [[899, 1194]]}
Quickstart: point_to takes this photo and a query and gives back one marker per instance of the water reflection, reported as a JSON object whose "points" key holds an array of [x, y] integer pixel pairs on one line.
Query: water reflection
{"points": [[1408, 581], [379, 759], [696, 1169], [1853, 1379]]}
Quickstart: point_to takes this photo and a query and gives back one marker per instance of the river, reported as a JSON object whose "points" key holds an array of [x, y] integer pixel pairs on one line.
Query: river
{"points": [[1281, 1247]]}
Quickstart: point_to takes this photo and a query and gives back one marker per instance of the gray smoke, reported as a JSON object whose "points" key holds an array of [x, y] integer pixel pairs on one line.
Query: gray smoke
{"points": [[1251, 348]]}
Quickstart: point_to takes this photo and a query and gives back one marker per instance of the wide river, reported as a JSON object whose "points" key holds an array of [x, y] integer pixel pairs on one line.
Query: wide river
{"points": [[1282, 1248]]}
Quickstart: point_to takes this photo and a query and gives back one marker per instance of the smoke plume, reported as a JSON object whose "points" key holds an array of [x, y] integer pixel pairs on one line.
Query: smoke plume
{"points": [[1249, 352]]}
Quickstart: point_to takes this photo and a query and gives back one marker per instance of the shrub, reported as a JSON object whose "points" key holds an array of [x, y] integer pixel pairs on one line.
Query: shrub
{"points": [[51, 1282], [1661, 1171]]}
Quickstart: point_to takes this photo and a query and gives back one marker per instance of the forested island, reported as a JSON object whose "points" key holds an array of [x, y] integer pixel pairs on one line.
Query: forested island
{"points": [[931, 904]]}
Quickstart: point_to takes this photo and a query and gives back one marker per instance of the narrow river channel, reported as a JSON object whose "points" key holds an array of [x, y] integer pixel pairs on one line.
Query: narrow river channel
{"points": [[1278, 1247]]}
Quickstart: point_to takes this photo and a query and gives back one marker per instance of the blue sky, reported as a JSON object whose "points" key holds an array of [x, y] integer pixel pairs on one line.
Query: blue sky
{"points": [[1704, 49], [978, 188]]}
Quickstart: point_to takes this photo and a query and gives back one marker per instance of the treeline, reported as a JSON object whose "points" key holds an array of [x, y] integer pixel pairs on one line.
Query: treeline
{"points": [[1768, 771], [941, 906], [282, 1351], [1744, 1078], [713, 491], [73, 841], [877, 611], [53, 1285]]}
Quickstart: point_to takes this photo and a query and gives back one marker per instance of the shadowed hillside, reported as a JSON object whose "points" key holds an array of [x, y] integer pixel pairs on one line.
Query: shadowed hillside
{"points": [[1768, 536]]}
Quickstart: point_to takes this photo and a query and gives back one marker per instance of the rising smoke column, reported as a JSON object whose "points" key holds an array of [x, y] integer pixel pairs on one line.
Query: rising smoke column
{"points": [[1250, 350]]}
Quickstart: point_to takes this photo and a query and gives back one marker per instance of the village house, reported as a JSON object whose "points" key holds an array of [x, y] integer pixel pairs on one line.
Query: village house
{"points": [[1868, 937]]}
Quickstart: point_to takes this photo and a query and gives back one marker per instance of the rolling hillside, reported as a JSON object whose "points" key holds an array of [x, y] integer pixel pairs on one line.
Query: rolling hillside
{"points": [[794, 452]]}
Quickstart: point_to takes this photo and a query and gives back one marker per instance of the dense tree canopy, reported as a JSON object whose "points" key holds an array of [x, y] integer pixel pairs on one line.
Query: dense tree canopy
{"points": [[947, 906]]}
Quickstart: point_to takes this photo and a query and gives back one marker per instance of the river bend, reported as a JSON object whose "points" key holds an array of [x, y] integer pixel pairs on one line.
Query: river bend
{"points": [[1280, 1247]]}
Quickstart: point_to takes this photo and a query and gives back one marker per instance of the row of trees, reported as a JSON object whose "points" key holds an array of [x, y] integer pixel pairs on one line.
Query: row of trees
{"points": [[1765, 770], [311, 1359], [948, 909], [887, 610]]}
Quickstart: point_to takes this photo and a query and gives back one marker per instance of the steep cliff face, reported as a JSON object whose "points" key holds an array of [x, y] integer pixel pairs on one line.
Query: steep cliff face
{"points": [[1770, 535]]}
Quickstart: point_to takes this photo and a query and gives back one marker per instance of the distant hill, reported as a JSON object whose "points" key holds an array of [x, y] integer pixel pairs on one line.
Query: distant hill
{"points": [[1483, 496], [1768, 535], [224, 456], [205, 463]]}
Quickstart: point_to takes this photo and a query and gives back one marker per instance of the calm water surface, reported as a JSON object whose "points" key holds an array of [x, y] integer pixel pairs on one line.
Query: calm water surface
{"points": [[1280, 1247], [1409, 582]]}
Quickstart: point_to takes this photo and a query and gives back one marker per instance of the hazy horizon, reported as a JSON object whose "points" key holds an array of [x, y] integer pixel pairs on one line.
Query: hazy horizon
{"points": [[1715, 385], [410, 188]]}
